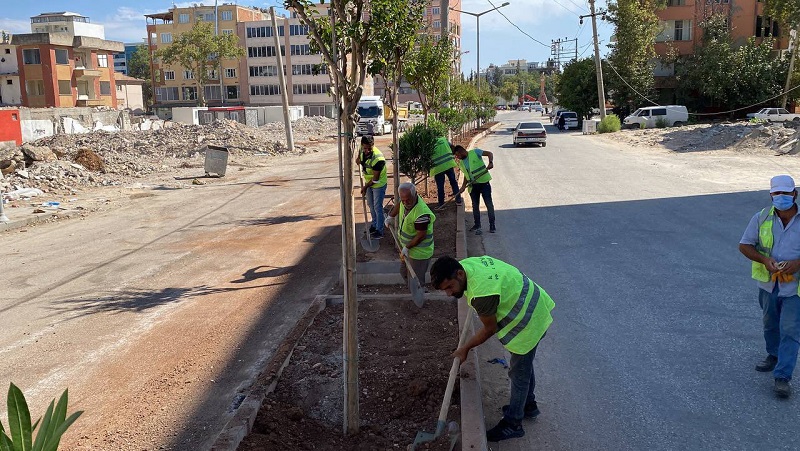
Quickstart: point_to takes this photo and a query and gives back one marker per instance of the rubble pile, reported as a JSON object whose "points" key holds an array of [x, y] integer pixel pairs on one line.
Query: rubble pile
{"points": [[66, 162], [689, 138]]}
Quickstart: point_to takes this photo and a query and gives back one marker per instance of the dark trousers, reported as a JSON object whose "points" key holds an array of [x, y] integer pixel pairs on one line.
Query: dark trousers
{"points": [[523, 383], [482, 190], [451, 175]]}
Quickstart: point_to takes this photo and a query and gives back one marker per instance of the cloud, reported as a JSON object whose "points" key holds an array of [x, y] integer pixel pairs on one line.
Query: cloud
{"points": [[15, 26]]}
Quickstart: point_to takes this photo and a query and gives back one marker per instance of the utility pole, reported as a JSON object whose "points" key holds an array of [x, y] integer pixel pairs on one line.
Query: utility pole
{"points": [[793, 38], [601, 96], [282, 79]]}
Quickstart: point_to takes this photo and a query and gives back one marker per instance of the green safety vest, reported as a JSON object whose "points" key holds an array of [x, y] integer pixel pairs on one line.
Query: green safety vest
{"points": [[523, 314], [442, 157], [764, 245], [477, 170], [368, 164], [423, 250]]}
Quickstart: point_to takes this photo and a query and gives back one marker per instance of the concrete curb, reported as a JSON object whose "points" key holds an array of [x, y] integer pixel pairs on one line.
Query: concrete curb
{"points": [[37, 218], [242, 422]]}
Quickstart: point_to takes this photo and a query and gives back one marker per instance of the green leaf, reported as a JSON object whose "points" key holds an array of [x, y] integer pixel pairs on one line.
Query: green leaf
{"points": [[42, 434], [19, 419], [62, 428], [5, 441]]}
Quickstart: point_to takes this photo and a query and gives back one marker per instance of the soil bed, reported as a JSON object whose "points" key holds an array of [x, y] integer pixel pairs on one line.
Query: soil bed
{"points": [[465, 138], [404, 363]]}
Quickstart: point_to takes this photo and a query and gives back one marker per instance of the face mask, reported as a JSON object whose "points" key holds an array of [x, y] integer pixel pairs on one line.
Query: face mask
{"points": [[783, 202]]}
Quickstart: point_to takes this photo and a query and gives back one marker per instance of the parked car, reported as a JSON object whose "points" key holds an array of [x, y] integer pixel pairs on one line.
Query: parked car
{"points": [[752, 115], [530, 133], [537, 106], [777, 115], [554, 115], [648, 117], [570, 119]]}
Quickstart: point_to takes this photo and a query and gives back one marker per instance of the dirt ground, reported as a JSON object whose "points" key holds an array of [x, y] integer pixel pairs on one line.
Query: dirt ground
{"points": [[404, 364]]}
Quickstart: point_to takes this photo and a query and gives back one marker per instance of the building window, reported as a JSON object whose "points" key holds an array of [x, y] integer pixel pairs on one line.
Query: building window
{"points": [[102, 60], [169, 75], [119, 88], [263, 71], [208, 17], [8, 51], [437, 24], [298, 30], [62, 56], [265, 90], [212, 74], [232, 92], [9, 82], [311, 88], [164, 94], [183, 18], [257, 52], [309, 69], [676, 2], [301, 49], [435, 11], [227, 32], [64, 88], [34, 87], [230, 73], [31, 56], [212, 92], [105, 88], [227, 15], [188, 75], [189, 93], [166, 38], [262, 32]]}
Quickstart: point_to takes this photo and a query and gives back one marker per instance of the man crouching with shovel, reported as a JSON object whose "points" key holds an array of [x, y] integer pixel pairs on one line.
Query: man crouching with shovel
{"points": [[416, 237], [510, 305]]}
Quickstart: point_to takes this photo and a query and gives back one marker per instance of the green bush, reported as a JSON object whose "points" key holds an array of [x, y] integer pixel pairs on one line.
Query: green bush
{"points": [[661, 123], [609, 124], [20, 431], [416, 148], [451, 118]]}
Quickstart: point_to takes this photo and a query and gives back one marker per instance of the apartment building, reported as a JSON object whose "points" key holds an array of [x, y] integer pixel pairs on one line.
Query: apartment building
{"points": [[512, 66], [66, 62], [682, 31], [10, 93], [121, 59], [174, 85]]}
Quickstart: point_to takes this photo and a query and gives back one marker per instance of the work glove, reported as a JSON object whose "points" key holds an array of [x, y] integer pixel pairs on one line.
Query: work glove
{"points": [[781, 277], [389, 221], [404, 252]]}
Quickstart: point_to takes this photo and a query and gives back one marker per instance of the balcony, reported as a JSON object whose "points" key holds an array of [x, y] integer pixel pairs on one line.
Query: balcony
{"points": [[84, 73]]}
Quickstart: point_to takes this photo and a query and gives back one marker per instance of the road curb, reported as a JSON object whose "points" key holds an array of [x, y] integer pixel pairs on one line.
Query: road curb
{"points": [[37, 218]]}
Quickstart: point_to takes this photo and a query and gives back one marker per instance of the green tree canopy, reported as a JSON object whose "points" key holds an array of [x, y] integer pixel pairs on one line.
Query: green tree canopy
{"points": [[200, 51], [577, 87], [428, 70], [139, 67]]}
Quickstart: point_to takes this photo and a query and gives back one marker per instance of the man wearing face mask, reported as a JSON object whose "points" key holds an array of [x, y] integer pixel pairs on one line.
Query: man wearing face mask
{"points": [[772, 242]]}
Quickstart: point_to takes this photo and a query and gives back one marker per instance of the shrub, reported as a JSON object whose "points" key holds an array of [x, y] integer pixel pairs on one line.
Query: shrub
{"points": [[661, 123], [51, 427], [609, 124], [416, 148], [451, 118]]}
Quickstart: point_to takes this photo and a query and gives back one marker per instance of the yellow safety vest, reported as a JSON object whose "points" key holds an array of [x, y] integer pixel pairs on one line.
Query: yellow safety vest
{"points": [[442, 157], [523, 314], [369, 164], [423, 250], [477, 169]]}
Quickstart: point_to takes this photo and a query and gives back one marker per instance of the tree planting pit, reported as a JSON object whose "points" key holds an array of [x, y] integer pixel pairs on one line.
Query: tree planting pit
{"points": [[404, 363]]}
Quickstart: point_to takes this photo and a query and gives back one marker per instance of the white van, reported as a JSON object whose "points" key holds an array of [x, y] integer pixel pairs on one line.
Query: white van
{"points": [[532, 106], [647, 117]]}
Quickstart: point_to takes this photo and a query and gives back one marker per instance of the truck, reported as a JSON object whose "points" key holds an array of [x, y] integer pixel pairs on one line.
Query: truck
{"points": [[376, 117]]}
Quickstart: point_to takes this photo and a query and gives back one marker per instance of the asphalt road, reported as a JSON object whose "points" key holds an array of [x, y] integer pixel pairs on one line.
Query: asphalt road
{"points": [[657, 326]]}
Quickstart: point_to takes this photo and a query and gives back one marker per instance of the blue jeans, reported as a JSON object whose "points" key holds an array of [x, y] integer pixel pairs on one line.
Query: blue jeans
{"points": [[375, 201], [523, 383], [781, 329], [482, 190], [451, 174]]}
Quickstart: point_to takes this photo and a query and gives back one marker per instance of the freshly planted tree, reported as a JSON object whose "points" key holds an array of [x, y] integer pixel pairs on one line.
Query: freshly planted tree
{"points": [[416, 150], [428, 69], [200, 51]]}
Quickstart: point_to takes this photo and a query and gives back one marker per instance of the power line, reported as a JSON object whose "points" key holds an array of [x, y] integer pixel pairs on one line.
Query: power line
{"points": [[699, 114], [518, 28]]}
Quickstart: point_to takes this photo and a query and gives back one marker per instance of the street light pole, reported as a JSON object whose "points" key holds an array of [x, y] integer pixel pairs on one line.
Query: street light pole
{"points": [[478, 22], [601, 95]]}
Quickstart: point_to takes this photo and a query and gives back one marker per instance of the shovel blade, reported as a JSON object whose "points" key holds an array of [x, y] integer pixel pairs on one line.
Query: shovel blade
{"points": [[417, 292], [369, 244]]}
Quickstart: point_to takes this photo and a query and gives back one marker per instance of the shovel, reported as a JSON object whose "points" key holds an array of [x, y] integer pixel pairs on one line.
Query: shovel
{"points": [[417, 293], [367, 242], [425, 437]]}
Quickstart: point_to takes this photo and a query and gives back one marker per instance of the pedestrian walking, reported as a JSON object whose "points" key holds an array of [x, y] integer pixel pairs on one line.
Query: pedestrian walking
{"points": [[561, 122], [444, 166], [772, 242], [511, 306], [476, 179], [373, 165], [415, 226]]}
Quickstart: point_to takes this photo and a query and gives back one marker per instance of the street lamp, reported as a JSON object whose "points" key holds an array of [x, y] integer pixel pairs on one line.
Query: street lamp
{"points": [[478, 21]]}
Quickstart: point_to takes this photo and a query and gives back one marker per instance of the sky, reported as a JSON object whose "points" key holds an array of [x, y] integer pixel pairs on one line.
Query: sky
{"points": [[543, 20]]}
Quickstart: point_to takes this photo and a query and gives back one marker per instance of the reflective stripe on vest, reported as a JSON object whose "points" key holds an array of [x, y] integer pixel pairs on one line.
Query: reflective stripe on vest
{"points": [[764, 244], [424, 249], [477, 169], [442, 157], [531, 307], [369, 164]]}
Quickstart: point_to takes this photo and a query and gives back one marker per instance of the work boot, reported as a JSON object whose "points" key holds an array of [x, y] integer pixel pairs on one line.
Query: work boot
{"points": [[372, 229], [492, 229], [376, 235], [475, 228], [782, 388], [531, 410], [478, 231], [768, 364], [504, 431]]}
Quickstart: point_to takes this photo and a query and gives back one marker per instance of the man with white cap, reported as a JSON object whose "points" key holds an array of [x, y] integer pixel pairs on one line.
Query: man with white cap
{"points": [[772, 242]]}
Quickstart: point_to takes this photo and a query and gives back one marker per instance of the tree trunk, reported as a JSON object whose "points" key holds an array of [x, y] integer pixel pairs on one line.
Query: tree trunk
{"points": [[395, 140]]}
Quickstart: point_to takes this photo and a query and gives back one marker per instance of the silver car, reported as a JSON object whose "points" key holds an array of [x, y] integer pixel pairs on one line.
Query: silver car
{"points": [[530, 133]]}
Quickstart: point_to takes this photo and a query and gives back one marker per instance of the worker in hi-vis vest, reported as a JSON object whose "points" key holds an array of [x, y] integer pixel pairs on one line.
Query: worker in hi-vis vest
{"points": [[772, 242], [373, 166], [415, 230], [444, 166], [476, 179], [511, 306]]}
